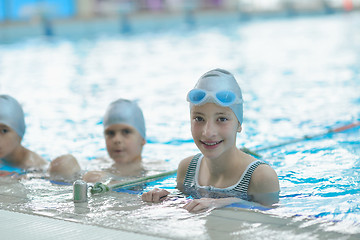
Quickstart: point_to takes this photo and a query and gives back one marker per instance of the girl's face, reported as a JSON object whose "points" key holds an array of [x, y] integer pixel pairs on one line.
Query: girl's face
{"points": [[9, 141], [123, 143], [214, 129]]}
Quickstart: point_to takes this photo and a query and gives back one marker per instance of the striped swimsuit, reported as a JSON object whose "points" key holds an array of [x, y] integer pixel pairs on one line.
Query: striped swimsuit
{"points": [[192, 187]]}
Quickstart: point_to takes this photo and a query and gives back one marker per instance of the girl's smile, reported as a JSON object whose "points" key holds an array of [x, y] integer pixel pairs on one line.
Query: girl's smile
{"points": [[211, 145]]}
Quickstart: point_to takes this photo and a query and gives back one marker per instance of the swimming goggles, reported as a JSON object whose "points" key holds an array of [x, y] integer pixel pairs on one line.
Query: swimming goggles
{"points": [[224, 98]]}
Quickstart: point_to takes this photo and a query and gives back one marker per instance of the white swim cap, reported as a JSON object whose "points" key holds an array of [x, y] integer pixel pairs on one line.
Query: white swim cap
{"points": [[127, 112], [12, 114], [220, 87]]}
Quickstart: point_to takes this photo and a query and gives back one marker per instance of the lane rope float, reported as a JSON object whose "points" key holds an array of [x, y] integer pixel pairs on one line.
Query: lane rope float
{"points": [[307, 137], [101, 187]]}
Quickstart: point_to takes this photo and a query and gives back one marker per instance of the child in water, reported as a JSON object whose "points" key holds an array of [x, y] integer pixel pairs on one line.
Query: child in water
{"points": [[124, 132], [13, 156], [221, 174]]}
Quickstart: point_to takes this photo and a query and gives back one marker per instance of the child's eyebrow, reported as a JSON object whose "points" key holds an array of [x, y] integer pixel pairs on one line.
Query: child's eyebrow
{"points": [[197, 113], [217, 113], [222, 113]]}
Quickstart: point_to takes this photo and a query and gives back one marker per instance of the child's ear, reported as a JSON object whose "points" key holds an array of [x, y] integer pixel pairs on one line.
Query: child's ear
{"points": [[239, 127], [143, 142]]}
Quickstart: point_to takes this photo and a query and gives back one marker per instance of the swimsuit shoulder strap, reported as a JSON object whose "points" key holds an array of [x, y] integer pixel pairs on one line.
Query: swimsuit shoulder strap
{"points": [[191, 170], [243, 185]]}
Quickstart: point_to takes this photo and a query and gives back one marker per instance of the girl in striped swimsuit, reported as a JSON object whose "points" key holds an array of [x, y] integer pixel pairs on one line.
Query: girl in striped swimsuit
{"points": [[222, 174]]}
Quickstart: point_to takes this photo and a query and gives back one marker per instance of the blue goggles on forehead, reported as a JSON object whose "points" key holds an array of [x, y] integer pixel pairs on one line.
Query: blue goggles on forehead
{"points": [[224, 98]]}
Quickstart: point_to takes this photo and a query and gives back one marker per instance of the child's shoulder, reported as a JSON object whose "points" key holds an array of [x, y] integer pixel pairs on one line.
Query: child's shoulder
{"points": [[33, 160], [264, 179], [183, 165]]}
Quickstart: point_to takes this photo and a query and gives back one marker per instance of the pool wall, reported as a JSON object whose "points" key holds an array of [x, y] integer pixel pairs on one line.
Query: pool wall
{"points": [[27, 19]]}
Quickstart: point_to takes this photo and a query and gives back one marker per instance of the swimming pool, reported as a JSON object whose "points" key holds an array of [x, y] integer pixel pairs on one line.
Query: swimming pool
{"points": [[299, 76]]}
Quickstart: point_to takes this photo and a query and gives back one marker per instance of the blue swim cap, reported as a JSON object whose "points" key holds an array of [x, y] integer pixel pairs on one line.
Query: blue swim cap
{"points": [[220, 87], [127, 112], [12, 114]]}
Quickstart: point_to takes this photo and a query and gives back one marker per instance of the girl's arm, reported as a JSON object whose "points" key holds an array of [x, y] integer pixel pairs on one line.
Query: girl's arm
{"points": [[264, 186], [203, 204]]}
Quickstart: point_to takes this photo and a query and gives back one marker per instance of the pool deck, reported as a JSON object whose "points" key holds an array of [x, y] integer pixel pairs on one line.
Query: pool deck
{"points": [[241, 223], [14, 225]]}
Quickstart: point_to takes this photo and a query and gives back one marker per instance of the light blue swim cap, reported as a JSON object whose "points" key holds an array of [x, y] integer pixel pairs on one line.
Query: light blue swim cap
{"points": [[12, 114], [127, 112], [220, 87]]}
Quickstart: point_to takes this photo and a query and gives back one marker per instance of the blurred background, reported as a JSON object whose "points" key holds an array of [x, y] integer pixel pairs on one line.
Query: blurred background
{"points": [[28, 18]]}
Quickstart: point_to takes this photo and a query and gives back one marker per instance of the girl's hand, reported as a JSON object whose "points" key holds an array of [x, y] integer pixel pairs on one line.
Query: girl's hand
{"points": [[203, 204], [156, 195], [199, 205]]}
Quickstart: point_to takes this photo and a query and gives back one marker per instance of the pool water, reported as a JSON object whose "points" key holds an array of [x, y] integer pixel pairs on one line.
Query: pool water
{"points": [[299, 76]]}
